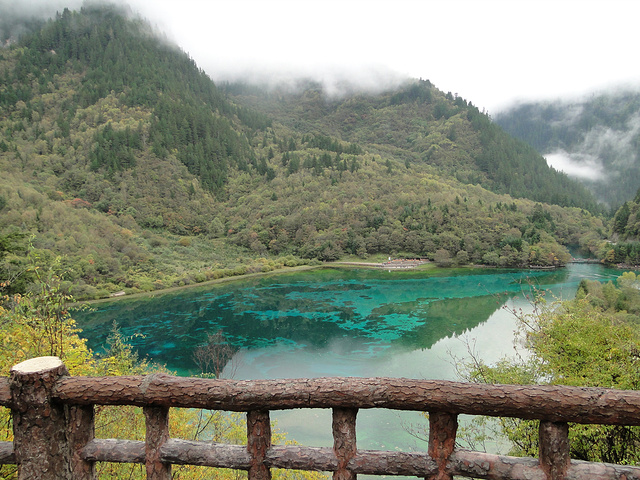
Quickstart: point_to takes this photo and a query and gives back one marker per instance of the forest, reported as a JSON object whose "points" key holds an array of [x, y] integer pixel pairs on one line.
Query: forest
{"points": [[598, 133], [127, 170], [121, 156]]}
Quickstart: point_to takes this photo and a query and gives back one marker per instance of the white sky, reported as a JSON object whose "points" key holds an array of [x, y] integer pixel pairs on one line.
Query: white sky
{"points": [[491, 52]]}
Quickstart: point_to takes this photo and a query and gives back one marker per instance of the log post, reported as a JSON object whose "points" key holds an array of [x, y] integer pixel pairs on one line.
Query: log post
{"points": [[81, 431], [157, 433], [442, 441], [344, 441], [258, 443], [39, 425], [555, 457]]}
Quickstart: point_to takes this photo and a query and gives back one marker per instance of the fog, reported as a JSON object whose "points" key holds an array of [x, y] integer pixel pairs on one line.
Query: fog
{"points": [[602, 151], [490, 52], [17, 15], [578, 165]]}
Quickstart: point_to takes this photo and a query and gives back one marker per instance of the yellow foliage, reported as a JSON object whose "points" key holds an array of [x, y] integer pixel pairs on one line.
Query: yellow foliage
{"points": [[39, 324]]}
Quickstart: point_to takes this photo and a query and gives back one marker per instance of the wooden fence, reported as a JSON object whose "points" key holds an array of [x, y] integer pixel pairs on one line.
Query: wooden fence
{"points": [[54, 433]]}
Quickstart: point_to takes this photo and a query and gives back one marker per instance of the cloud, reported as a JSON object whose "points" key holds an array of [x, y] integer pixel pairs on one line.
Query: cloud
{"points": [[17, 17], [336, 81], [603, 150], [578, 165]]}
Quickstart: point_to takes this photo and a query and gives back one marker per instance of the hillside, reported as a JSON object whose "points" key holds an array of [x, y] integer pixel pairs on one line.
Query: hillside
{"points": [[120, 155], [596, 139], [421, 126]]}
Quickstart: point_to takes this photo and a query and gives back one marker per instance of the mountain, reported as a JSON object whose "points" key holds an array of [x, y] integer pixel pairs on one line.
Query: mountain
{"points": [[121, 157], [421, 126], [595, 140]]}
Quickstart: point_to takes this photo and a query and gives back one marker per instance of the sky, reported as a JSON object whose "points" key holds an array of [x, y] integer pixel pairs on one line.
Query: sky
{"points": [[490, 52]]}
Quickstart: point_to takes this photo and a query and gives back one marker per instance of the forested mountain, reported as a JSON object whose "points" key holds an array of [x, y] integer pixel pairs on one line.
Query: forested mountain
{"points": [[625, 229], [421, 126], [598, 137], [121, 155]]}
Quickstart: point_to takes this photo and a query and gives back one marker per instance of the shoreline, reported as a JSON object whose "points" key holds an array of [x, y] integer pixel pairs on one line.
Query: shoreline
{"points": [[216, 281], [299, 268], [391, 264], [396, 264]]}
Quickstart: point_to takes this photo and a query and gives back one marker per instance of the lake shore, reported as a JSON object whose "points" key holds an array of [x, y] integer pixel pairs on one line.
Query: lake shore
{"points": [[391, 265]]}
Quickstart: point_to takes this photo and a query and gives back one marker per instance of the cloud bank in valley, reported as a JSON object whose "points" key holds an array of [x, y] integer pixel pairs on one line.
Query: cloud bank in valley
{"points": [[578, 165]]}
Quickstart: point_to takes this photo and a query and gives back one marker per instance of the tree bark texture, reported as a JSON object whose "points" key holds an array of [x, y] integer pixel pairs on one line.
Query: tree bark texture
{"points": [[548, 402], [157, 427], [442, 441], [374, 462], [297, 457], [5, 393], [114, 450], [6, 453], [80, 432], [367, 462], [39, 423], [258, 442], [190, 452], [344, 441], [554, 449]]}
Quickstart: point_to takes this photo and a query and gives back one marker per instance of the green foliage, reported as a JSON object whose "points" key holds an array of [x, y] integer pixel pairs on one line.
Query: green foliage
{"points": [[602, 126], [590, 341], [122, 157], [39, 324]]}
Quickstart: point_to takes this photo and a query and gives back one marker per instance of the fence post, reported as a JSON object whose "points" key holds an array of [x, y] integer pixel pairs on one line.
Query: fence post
{"points": [[258, 442], [553, 442], [39, 425], [157, 433], [442, 441], [344, 441], [81, 431]]}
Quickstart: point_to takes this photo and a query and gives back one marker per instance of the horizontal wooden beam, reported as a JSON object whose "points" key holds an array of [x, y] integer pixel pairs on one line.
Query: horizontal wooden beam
{"points": [[366, 462], [6, 453], [112, 450], [549, 402], [189, 452], [5, 393]]}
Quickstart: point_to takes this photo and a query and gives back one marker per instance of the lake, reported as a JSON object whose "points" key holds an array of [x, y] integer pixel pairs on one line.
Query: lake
{"points": [[338, 322]]}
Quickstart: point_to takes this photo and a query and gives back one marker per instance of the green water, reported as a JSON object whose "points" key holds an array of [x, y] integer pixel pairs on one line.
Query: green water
{"points": [[337, 322]]}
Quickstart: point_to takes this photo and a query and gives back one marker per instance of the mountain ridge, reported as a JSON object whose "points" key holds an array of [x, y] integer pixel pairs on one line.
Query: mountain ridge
{"points": [[122, 156], [597, 138]]}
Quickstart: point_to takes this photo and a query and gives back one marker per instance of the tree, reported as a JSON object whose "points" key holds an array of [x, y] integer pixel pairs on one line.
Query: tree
{"points": [[39, 323], [213, 356], [587, 341], [442, 258]]}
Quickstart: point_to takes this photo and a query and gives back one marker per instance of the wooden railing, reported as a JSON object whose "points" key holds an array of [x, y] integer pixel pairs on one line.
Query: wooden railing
{"points": [[54, 433]]}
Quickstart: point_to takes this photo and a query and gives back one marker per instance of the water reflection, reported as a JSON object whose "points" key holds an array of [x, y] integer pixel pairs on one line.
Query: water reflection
{"points": [[326, 321], [331, 322]]}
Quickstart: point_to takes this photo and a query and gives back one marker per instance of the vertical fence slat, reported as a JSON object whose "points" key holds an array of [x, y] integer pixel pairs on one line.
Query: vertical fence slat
{"points": [[81, 431], [258, 442], [39, 424], [554, 449], [344, 441], [442, 441], [157, 426]]}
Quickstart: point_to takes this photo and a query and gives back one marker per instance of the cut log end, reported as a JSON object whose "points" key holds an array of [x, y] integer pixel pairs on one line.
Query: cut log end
{"points": [[37, 365]]}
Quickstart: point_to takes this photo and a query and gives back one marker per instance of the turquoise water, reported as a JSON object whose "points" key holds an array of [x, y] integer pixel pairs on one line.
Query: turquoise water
{"points": [[353, 316], [338, 322]]}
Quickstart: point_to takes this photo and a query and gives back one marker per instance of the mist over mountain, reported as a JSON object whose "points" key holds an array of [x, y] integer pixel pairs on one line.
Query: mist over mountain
{"points": [[595, 140], [120, 154]]}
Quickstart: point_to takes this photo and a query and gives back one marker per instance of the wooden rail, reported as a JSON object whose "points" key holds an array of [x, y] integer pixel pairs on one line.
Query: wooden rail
{"points": [[54, 433]]}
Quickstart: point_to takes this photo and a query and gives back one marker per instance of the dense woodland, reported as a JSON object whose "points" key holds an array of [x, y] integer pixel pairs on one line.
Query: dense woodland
{"points": [[124, 158], [601, 132]]}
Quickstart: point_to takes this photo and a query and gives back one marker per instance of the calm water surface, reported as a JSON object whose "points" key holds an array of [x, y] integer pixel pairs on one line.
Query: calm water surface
{"points": [[337, 322]]}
